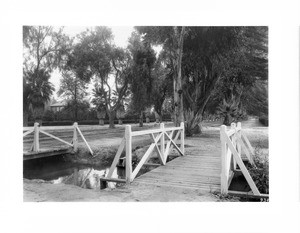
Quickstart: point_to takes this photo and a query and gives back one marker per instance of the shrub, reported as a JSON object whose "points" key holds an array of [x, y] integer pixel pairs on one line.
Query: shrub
{"points": [[260, 172], [264, 120]]}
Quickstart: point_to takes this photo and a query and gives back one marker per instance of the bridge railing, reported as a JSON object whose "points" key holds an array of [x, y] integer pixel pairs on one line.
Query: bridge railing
{"points": [[233, 142], [74, 143], [163, 140]]}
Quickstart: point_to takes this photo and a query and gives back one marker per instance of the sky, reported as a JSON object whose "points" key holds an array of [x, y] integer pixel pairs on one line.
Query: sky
{"points": [[121, 35]]}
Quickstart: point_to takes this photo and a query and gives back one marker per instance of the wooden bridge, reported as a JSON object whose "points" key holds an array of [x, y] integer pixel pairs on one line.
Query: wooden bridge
{"points": [[36, 152], [204, 171]]}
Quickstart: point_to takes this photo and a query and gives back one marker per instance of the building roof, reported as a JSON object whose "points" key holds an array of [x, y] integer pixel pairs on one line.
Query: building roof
{"points": [[59, 104]]}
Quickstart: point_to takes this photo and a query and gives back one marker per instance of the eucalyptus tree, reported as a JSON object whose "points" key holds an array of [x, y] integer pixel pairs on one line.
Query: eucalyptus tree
{"points": [[171, 39]]}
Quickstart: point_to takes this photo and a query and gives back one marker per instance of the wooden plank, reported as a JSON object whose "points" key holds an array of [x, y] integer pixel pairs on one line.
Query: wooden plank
{"points": [[155, 140], [224, 178], [249, 157], [247, 142], [128, 145], [143, 160], [36, 140], [174, 144], [182, 137], [243, 168], [85, 141], [167, 149], [45, 153], [116, 159], [117, 180], [28, 132], [162, 143], [152, 164], [52, 136]]}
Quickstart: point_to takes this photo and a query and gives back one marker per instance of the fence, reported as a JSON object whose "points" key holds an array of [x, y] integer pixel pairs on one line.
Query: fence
{"points": [[233, 143], [163, 140], [74, 143]]}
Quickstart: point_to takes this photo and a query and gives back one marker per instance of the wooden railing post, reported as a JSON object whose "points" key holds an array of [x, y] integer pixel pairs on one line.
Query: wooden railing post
{"points": [[224, 178], [36, 145], [234, 142], [128, 146], [182, 137], [75, 137], [162, 142], [239, 136]]}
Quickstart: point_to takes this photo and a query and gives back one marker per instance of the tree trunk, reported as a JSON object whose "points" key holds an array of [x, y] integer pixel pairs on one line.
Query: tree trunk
{"points": [[111, 116], [227, 120], [178, 93], [25, 118], [193, 123], [141, 119]]}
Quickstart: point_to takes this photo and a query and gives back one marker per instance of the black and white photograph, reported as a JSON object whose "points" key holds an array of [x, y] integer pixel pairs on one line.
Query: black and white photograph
{"points": [[158, 116], [145, 113]]}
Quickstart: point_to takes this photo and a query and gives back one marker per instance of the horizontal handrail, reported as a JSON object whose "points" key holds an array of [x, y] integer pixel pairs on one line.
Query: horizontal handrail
{"points": [[150, 131]]}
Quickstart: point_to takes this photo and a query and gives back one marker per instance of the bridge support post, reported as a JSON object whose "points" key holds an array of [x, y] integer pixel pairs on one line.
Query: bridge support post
{"points": [[235, 144], [224, 184], [36, 145], [128, 138], [182, 138], [162, 142], [75, 137]]}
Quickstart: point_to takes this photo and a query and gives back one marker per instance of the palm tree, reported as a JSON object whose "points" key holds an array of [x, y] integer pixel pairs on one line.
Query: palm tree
{"points": [[37, 90]]}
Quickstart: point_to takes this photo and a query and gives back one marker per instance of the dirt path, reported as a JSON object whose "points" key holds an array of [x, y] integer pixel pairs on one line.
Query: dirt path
{"points": [[42, 191]]}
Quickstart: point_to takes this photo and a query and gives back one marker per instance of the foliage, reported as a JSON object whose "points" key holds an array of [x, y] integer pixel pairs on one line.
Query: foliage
{"points": [[96, 56], [141, 79], [260, 172], [73, 90], [43, 51], [36, 91], [245, 80], [264, 120]]}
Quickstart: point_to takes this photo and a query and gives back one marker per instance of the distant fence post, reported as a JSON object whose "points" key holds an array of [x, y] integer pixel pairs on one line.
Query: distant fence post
{"points": [[162, 141], [128, 139], [182, 137], [75, 137], [36, 146], [224, 180]]}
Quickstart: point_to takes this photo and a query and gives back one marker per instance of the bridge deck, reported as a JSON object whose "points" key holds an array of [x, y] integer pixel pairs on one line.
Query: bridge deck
{"points": [[201, 172]]}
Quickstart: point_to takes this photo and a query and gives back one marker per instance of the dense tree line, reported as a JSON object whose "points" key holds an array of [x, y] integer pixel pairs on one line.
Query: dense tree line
{"points": [[199, 71]]}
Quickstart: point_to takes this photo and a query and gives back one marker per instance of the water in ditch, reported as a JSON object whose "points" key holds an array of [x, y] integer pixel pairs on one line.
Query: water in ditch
{"points": [[56, 170]]}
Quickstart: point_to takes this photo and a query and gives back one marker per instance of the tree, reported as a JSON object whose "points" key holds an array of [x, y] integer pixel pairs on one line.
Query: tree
{"points": [[162, 87], [42, 51], [74, 90], [36, 92], [172, 39], [248, 68], [141, 81], [96, 56]]}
